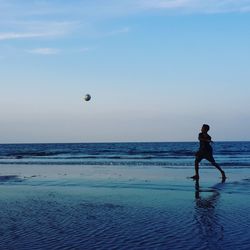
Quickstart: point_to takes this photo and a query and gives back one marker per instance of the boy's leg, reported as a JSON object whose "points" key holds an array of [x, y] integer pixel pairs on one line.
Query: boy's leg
{"points": [[220, 169], [212, 161], [196, 166]]}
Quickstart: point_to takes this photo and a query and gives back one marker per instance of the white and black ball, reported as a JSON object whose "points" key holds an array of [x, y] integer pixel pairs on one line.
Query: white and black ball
{"points": [[87, 97]]}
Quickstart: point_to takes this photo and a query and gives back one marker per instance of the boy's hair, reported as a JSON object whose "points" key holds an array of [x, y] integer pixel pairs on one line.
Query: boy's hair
{"points": [[205, 126]]}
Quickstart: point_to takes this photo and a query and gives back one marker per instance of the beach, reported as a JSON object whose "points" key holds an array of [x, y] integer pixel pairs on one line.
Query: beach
{"points": [[122, 207], [124, 125]]}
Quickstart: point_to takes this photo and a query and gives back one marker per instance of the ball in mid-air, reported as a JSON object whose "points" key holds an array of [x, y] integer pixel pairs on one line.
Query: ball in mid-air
{"points": [[87, 97]]}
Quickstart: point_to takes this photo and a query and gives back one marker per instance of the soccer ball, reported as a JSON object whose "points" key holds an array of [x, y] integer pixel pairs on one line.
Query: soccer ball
{"points": [[87, 97]]}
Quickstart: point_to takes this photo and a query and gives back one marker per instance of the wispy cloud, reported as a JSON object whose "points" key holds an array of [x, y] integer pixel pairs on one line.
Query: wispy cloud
{"points": [[35, 29], [114, 8], [44, 51], [198, 6], [123, 30], [44, 18], [119, 31], [165, 4], [88, 10], [12, 35], [55, 51], [84, 50]]}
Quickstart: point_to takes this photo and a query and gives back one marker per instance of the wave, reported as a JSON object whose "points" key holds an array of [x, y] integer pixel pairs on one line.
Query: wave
{"points": [[170, 164], [101, 153], [228, 154]]}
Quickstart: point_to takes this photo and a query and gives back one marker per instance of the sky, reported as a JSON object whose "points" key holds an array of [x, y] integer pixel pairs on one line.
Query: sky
{"points": [[156, 70]]}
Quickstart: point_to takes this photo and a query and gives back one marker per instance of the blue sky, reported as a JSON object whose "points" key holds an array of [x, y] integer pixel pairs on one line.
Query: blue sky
{"points": [[156, 69]]}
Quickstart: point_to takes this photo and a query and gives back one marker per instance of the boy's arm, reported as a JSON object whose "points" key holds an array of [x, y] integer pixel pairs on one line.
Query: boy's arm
{"points": [[205, 138]]}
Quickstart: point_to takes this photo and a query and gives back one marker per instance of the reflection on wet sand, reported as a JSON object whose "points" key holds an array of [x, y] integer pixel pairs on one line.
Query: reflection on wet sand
{"points": [[207, 216]]}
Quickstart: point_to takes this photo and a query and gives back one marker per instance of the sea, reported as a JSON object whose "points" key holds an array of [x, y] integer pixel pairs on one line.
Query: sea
{"points": [[230, 154], [123, 209]]}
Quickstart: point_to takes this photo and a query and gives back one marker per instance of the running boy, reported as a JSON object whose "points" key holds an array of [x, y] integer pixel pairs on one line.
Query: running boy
{"points": [[205, 152]]}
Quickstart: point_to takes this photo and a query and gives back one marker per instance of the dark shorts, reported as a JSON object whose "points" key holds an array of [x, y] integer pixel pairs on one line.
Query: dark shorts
{"points": [[200, 155]]}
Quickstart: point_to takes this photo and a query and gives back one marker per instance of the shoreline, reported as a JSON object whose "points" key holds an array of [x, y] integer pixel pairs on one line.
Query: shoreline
{"points": [[116, 172]]}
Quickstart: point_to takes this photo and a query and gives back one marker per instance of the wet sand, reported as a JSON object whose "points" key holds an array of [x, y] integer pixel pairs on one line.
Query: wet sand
{"points": [[112, 207]]}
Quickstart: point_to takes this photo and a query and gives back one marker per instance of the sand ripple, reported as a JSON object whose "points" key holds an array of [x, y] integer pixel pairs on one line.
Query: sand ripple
{"points": [[210, 219], [50, 224]]}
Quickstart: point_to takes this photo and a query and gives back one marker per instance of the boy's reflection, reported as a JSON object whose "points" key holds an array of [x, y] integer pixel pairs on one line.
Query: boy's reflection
{"points": [[207, 215]]}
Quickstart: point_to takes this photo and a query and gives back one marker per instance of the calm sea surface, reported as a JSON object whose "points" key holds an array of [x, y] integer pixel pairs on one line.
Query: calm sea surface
{"points": [[169, 154]]}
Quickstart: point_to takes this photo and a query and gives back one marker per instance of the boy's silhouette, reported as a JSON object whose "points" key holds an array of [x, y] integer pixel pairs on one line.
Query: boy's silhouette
{"points": [[205, 152]]}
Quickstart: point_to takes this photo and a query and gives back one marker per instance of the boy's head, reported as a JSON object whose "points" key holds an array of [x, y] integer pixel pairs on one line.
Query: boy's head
{"points": [[205, 128]]}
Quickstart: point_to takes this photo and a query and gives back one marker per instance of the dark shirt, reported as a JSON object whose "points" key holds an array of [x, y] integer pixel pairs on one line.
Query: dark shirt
{"points": [[205, 145]]}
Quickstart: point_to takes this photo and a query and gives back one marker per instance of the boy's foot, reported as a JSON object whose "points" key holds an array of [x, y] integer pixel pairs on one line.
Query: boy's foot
{"points": [[223, 176], [195, 177]]}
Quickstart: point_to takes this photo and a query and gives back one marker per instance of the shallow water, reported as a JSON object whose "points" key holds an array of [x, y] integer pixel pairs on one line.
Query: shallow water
{"points": [[123, 213]]}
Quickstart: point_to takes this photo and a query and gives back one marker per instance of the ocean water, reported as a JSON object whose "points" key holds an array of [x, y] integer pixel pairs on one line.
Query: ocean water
{"points": [[167, 154], [134, 210]]}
